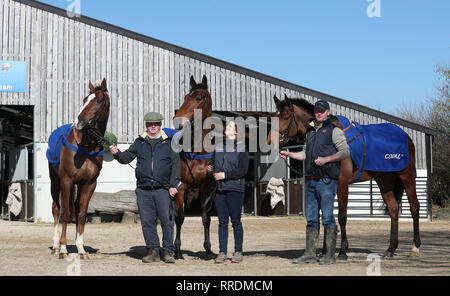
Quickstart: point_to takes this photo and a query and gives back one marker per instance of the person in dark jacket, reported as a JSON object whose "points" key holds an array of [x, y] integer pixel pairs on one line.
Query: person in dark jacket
{"points": [[230, 167], [326, 146], [158, 173]]}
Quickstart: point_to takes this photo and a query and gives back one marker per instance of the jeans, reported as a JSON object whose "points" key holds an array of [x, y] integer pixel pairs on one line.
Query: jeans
{"points": [[229, 205], [320, 195], [153, 204]]}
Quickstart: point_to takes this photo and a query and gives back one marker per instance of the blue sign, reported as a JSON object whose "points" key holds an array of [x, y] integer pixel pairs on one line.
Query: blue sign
{"points": [[13, 76]]}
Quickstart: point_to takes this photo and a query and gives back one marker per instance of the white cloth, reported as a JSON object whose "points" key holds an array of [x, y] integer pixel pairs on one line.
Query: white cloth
{"points": [[14, 200], [276, 189]]}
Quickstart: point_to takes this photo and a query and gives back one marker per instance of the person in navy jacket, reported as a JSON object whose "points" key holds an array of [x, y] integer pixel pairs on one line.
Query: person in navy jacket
{"points": [[229, 166], [158, 172]]}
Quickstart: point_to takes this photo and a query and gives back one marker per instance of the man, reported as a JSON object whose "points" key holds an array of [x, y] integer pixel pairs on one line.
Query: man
{"points": [[326, 146], [158, 173]]}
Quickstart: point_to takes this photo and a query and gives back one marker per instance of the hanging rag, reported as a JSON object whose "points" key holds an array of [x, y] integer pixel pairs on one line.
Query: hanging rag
{"points": [[276, 189], [14, 199]]}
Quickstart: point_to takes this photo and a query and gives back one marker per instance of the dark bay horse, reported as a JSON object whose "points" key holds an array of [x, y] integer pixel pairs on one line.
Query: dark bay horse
{"points": [[294, 115], [193, 165], [80, 160]]}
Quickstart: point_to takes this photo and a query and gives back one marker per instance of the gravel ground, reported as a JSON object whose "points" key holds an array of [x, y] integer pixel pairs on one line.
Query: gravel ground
{"points": [[269, 246]]}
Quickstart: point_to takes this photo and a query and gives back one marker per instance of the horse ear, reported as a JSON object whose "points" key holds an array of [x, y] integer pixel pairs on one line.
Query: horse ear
{"points": [[91, 87], [276, 100], [286, 97], [288, 102], [104, 84], [193, 83], [205, 81]]}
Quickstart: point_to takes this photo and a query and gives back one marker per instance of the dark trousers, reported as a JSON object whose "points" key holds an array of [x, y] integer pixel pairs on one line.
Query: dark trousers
{"points": [[153, 204], [229, 205]]}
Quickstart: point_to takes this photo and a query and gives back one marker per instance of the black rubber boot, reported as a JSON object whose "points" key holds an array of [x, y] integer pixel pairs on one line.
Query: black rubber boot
{"points": [[330, 244], [312, 235]]}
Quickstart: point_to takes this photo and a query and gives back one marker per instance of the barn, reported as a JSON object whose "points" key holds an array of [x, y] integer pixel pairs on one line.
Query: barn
{"points": [[55, 56]]}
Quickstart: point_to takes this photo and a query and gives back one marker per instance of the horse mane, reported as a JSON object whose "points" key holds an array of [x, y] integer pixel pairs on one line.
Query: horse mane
{"points": [[302, 103], [198, 86]]}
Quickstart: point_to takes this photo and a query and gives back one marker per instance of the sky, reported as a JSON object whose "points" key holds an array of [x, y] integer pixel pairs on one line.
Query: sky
{"points": [[385, 62]]}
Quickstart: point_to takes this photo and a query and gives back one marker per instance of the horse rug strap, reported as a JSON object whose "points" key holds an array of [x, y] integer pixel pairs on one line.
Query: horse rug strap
{"points": [[376, 147], [176, 136]]}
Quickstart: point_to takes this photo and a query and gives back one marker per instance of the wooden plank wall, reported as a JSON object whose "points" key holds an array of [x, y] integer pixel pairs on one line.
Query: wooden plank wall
{"points": [[64, 54]]}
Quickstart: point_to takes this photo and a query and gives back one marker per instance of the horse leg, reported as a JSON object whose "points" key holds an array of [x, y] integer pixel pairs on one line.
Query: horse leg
{"points": [[386, 183], [55, 190], [66, 186], [206, 220], [179, 219], [342, 194], [409, 182], [83, 202], [345, 178]]}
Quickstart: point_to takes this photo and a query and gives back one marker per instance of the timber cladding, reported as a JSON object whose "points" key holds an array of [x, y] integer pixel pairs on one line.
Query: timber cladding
{"points": [[143, 74]]}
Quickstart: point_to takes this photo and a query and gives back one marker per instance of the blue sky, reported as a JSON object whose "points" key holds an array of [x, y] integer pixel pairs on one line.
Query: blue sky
{"points": [[330, 46]]}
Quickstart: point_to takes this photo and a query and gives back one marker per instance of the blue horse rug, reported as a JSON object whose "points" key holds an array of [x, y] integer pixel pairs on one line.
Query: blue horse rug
{"points": [[56, 140], [376, 147]]}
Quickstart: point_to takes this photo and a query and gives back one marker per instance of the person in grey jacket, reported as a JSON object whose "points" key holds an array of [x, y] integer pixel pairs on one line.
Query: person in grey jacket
{"points": [[158, 172], [230, 168]]}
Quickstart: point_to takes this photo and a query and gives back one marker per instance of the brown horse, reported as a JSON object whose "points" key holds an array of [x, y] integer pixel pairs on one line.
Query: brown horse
{"points": [[294, 115], [194, 165], [81, 160]]}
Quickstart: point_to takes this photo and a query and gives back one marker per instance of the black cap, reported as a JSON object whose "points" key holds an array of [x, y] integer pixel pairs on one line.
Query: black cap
{"points": [[322, 104]]}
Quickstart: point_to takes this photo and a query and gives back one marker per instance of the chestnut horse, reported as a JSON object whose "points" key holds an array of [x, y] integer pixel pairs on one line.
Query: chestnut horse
{"points": [[194, 165], [80, 160], [294, 115]]}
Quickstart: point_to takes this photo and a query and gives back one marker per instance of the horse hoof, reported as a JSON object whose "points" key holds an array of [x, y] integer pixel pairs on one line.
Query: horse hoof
{"points": [[63, 255], [388, 254], [55, 252], [342, 257], [210, 256], [414, 254], [179, 256], [84, 256]]}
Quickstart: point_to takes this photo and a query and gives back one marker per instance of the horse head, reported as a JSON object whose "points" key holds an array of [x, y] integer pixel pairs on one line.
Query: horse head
{"points": [[197, 98], [95, 111], [293, 115]]}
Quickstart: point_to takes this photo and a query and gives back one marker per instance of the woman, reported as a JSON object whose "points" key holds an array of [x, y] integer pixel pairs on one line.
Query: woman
{"points": [[230, 165]]}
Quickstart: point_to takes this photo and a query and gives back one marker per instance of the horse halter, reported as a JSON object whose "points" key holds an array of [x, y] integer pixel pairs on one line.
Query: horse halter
{"points": [[205, 93], [285, 134]]}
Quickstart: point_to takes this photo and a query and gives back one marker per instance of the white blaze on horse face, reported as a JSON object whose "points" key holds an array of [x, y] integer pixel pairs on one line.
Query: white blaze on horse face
{"points": [[89, 99], [79, 243]]}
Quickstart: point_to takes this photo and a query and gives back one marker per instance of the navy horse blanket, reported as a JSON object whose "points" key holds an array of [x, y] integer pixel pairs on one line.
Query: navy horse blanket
{"points": [[57, 139], [376, 147]]}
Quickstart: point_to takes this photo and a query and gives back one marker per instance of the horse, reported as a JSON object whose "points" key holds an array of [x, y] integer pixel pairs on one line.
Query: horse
{"points": [[194, 165], [294, 116], [80, 162]]}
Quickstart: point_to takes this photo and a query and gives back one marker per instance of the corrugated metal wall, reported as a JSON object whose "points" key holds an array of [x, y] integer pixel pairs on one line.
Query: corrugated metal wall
{"points": [[63, 54]]}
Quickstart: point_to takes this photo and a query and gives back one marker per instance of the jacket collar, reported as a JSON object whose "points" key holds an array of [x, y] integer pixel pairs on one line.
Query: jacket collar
{"points": [[162, 134]]}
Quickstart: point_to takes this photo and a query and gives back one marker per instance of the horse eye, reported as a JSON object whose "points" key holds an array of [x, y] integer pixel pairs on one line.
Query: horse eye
{"points": [[198, 99], [286, 118], [99, 100]]}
